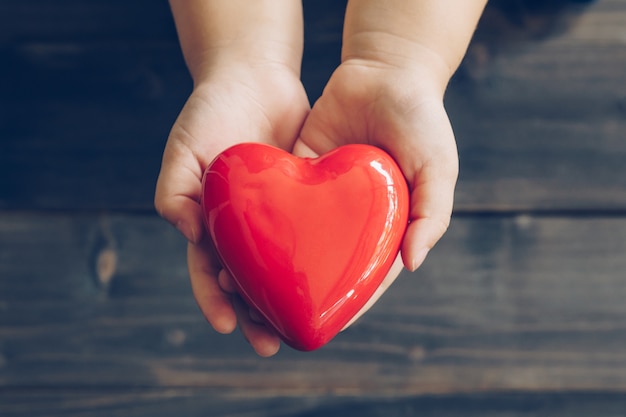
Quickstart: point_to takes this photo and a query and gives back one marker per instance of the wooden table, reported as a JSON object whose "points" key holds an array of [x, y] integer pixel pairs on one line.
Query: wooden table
{"points": [[519, 311]]}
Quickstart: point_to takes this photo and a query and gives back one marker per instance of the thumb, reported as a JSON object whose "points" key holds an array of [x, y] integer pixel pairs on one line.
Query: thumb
{"points": [[431, 166], [302, 150], [177, 197], [432, 198]]}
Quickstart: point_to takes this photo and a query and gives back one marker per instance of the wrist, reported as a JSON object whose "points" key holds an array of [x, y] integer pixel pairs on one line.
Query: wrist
{"points": [[244, 58], [221, 33], [398, 58], [430, 35], [257, 74]]}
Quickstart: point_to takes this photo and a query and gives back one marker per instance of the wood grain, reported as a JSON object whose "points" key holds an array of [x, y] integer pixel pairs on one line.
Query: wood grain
{"points": [[198, 402], [84, 118], [507, 303], [88, 20]]}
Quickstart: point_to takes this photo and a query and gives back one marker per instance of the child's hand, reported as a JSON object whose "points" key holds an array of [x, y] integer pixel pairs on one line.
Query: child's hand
{"points": [[257, 104], [245, 60], [397, 59], [398, 110]]}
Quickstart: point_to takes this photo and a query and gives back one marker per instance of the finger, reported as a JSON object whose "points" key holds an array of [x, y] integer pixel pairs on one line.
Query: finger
{"points": [[432, 199], [263, 340], [302, 150], [255, 316], [215, 304], [226, 281], [391, 276], [319, 134], [425, 149], [177, 194], [184, 214]]}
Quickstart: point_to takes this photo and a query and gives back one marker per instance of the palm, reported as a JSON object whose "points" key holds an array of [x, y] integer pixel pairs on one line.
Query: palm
{"points": [[398, 111], [230, 109], [266, 106]]}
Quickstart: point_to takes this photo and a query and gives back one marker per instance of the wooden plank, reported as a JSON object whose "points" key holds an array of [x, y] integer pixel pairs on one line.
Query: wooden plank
{"points": [[540, 118], [194, 402], [111, 402], [503, 303], [76, 20], [541, 125], [498, 405], [83, 123], [89, 136], [139, 20]]}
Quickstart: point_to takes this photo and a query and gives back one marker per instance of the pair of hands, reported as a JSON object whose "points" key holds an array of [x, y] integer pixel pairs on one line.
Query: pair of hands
{"points": [[396, 109]]}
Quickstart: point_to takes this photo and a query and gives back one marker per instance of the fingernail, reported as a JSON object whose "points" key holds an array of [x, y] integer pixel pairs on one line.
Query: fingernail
{"points": [[184, 228], [418, 259], [268, 349], [225, 325], [255, 316]]}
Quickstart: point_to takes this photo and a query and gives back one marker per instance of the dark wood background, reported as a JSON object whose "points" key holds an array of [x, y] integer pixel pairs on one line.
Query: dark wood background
{"points": [[519, 311]]}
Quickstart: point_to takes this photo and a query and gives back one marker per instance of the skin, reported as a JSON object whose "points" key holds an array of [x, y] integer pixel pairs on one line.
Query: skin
{"points": [[244, 57]]}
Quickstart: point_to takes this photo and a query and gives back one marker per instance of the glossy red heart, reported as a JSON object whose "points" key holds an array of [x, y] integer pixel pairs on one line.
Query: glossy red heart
{"points": [[307, 241]]}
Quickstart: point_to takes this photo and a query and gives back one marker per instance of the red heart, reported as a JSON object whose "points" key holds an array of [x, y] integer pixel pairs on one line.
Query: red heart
{"points": [[307, 241]]}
